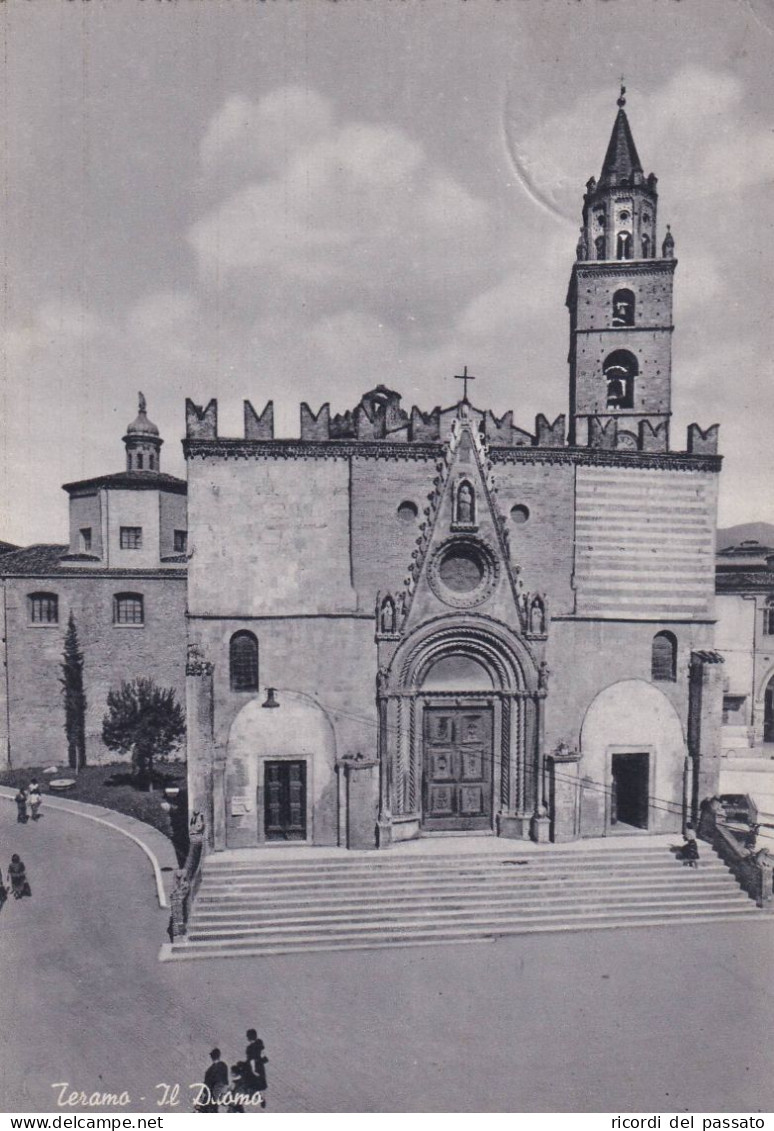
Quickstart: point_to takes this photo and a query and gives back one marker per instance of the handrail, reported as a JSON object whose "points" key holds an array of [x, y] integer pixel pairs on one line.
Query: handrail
{"points": [[754, 870], [188, 879]]}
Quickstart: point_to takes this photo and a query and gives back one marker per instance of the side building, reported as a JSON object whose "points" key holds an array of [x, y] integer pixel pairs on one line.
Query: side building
{"points": [[122, 576], [410, 623], [745, 637]]}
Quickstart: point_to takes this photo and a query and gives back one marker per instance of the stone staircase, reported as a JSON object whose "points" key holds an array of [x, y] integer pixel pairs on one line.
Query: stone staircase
{"points": [[256, 905]]}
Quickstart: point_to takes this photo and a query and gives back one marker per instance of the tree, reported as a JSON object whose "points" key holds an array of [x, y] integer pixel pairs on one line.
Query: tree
{"points": [[74, 697], [145, 721]]}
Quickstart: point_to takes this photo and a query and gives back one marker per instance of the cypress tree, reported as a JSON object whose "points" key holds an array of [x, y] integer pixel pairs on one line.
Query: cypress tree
{"points": [[74, 697]]}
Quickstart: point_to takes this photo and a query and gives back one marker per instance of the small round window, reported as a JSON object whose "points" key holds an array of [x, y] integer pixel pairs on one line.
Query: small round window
{"points": [[407, 511], [461, 569], [463, 572], [520, 513]]}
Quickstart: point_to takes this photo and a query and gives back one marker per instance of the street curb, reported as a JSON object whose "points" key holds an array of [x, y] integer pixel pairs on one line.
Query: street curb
{"points": [[94, 813]]}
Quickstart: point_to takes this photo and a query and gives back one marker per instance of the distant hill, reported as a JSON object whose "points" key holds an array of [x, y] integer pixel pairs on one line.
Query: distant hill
{"points": [[762, 532]]}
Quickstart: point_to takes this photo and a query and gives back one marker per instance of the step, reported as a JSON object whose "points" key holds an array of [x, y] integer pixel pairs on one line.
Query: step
{"points": [[449, 884], [244, 948], [368, 925], [217, 912]]}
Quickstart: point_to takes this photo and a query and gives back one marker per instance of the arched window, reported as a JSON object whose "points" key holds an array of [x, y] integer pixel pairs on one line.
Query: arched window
{"points": [[599, 244], [43, 608], [620, 368], [243, 662], [128, 608], [768, 617], [139, 461], [623, 247], [663, 657], [623, 307], [645, 241], [150, 462]]}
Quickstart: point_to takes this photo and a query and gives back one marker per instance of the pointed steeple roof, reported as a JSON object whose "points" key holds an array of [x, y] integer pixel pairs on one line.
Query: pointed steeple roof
{"points": [[621, 160]]}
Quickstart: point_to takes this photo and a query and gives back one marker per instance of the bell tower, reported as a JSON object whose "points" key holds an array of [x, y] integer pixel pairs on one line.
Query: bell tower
{"points": [[620, 303]]}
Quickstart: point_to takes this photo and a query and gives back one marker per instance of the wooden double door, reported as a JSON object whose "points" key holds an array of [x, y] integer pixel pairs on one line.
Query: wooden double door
{"points": [[457, 774], [284, 792]]}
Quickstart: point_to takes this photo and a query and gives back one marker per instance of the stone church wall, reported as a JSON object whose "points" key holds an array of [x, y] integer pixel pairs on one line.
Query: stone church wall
{"points": [[111, 653], [269, 537]]}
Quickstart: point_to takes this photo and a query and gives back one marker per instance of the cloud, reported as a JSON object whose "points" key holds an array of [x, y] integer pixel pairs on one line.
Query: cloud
{"points": [[350, 214]]}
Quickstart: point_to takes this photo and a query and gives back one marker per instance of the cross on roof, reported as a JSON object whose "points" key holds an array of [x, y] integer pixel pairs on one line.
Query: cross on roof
{"points": [[464, 376]]}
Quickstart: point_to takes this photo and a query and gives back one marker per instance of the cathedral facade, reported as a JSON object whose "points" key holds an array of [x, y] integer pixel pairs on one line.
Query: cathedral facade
{"points": [[421, 623]]}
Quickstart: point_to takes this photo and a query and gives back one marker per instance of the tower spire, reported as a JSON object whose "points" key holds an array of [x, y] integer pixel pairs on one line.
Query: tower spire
{"points": [[620, 303]]}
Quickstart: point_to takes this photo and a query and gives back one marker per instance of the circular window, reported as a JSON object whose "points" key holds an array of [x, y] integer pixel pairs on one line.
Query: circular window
{"points": [[519, 513], [461, 569], [463, 572], [407, 511]]}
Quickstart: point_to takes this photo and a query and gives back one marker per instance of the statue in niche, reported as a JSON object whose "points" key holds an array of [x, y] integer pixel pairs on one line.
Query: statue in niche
{"points": [[537, 618], [465, 504], [382, 680], [543, 673], [388, 619]]}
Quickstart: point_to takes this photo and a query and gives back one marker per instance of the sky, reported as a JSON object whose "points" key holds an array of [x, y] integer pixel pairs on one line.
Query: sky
{"points": [[301, 199]]}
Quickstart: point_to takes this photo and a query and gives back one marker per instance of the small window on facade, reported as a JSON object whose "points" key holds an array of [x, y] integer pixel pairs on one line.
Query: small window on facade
{"points": [[408, 511], [139, 461], [181, 541], [44, 608], [623, 308], [151, 462], [85, 539], [131, 537], [599, 244], [128, 608], [520, 513], [243, 662], [645, 247], [768, 617], [663, 659]]}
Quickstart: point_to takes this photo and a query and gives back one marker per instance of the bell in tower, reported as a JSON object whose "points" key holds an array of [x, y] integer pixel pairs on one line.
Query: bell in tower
{"points": [[620, 302]]}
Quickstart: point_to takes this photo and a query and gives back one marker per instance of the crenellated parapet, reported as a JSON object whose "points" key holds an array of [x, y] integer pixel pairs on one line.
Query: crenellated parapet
{"points": [[381, 423], [201, 423], [259, 427], [703, 443]]}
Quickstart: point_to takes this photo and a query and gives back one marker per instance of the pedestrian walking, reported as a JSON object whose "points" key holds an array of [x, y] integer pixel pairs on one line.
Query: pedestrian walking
{"points": [[215, 1084], [17, 877], [34, 799], [3, 893], [21, 806], [255, 1075]]}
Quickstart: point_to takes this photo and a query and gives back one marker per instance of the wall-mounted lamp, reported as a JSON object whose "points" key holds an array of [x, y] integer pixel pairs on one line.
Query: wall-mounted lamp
{"points": [[271, 698]]}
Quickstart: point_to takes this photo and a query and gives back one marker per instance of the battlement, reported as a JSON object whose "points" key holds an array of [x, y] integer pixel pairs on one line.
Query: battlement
{"points": [[379, 416]]}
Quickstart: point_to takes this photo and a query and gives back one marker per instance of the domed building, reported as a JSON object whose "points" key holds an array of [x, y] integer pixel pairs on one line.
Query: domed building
{"points": [[122, 577]]}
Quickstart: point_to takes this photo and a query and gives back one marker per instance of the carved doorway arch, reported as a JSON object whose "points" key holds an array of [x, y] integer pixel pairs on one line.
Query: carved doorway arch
{"points": [[460, 752]]}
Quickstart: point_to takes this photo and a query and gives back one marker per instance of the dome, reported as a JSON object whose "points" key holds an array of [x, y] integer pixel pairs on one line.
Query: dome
{"points": [[142, 426]]}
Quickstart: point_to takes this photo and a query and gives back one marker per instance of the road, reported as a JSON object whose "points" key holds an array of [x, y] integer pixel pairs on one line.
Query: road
{"points": [[672, 1019]]}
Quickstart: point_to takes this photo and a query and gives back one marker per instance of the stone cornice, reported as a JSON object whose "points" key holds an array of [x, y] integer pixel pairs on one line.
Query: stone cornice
{"points": [[384, 449], [591, 267], [68, 572], [310, 449]]}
